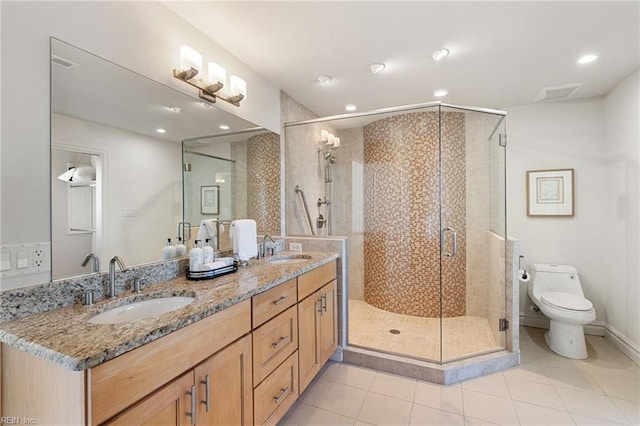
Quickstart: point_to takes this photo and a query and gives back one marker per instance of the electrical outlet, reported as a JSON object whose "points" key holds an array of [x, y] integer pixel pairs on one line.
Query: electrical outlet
{"points": [[295, 246], [25, 259], [39, 255]]}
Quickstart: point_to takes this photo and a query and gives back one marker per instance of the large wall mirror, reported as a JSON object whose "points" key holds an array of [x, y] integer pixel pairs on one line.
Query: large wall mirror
{"points": [[116, 170]]}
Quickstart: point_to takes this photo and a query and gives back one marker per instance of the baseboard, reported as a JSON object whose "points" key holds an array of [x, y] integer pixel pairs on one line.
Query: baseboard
{"points": [[596, 328]]}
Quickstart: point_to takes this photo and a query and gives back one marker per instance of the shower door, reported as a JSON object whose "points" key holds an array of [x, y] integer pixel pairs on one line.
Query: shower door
{"points": [[472, 233]]}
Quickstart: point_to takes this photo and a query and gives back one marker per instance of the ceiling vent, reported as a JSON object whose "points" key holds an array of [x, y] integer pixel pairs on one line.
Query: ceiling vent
{"points": [[557, 93], [62, 62]]}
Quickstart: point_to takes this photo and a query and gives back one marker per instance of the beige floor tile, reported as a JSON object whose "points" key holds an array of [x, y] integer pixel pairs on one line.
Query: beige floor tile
{"points": [[591, 405], [493, 384], [531, 371], [295, 414], [329, 370], [618, 387], [469, 421], [319, 417], [534, 415], [394, 386], [341, 399], [630, 409], [490, 408], [534, 393], [384, 410], [447, 398], [313, 391], [611, 368], [358, 377], [573, 379], [590, 421], [422, 416]]}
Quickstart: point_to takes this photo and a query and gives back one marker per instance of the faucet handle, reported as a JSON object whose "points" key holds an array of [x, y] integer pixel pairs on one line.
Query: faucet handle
{"points": [[137, 285]]}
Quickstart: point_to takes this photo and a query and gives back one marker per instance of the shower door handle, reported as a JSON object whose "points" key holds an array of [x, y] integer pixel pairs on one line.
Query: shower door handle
{"points": [[454, 246]]}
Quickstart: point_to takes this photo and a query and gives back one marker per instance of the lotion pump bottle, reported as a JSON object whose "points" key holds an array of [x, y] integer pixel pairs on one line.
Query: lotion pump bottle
{"points": [[207, 252], [195, 258], [181, 249], [169, 251]]}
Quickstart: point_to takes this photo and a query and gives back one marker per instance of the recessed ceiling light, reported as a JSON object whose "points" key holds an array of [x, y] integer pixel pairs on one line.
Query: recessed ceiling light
{"points": [[206, 105], [350, 107], [440, 93], [177, 110], [324, 79], [376, 68], [224, 127], [161, 131], [587, 59], [439, 54]]}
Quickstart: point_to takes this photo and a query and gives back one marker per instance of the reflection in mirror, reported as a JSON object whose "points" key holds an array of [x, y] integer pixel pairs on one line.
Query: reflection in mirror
{"points": [[243, 169], [106, 116]]}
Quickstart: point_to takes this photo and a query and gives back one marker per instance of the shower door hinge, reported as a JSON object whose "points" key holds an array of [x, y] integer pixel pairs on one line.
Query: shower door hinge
{"points": [[503, 324], [502, 140]]}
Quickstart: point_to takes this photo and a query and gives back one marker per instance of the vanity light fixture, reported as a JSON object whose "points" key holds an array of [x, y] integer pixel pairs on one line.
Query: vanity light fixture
{"points": [[328, 139], [440, 93], [440, 54], [210, 89], [376, 68]]}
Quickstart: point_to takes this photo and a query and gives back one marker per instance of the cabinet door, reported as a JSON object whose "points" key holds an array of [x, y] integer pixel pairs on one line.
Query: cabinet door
{"points": [[168, 406], [328, 322], [308, 361], [225, 389]]}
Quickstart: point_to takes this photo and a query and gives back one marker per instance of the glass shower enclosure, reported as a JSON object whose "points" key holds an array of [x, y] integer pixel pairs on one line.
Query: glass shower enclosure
{"points": [[420, 193]]}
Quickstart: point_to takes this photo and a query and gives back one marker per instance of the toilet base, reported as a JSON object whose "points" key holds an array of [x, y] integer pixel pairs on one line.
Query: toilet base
{"points": [[567, 340]]}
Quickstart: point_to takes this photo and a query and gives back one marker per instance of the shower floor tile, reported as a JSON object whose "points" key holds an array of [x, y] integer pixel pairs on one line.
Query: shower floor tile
{"points": [[418, 337]]}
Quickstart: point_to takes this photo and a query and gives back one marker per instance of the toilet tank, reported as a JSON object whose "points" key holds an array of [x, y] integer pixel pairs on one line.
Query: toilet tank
{"points": [[562, 278]]}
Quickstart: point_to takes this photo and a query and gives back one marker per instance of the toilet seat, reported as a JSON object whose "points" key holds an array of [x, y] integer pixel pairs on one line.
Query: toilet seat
{"points": [[566, 301]]}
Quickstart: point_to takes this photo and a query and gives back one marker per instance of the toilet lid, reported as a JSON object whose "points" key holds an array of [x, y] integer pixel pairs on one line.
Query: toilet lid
{"points": [[566, 301]]}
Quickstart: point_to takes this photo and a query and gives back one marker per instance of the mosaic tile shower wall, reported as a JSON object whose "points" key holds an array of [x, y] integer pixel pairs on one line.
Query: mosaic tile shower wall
{"points": [[263, 182], [402, 213]]}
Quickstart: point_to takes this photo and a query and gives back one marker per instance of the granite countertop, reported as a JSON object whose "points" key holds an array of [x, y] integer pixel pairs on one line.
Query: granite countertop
{"points": [[65, 337]]}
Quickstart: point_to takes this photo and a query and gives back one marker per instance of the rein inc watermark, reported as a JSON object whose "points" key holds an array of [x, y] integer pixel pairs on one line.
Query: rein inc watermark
{"points": [[17, 421]]}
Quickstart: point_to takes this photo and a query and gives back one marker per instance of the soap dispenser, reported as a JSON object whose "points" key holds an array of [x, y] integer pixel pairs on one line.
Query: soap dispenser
{"points": [[195, 258], [169, 251], [181, 249], [207, 252]]}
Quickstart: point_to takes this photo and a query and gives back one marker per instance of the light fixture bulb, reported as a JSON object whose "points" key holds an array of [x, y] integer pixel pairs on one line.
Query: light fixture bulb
{"points": [[587, 59], [440, 54], [238, 86], [324, 79], [324, 135], [224, 127], [217, 73], [161, 131], [350, 107], [376, 68], [440, 93], [190, 58]]}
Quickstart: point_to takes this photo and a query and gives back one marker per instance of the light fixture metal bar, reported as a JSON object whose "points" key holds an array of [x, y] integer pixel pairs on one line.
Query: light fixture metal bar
{"points": [[208, 93]]}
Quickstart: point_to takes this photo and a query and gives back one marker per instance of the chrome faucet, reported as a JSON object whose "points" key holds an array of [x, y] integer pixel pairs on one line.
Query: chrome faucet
{"points": [[264, 244], [96, 262], [112, 274]]}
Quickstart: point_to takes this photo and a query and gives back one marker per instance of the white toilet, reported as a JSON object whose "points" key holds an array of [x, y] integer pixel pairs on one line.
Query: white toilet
{"points": [[556, 290]]}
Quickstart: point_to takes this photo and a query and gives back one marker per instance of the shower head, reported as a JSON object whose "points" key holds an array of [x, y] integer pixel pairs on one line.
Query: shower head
{"points": [[326, 155]]}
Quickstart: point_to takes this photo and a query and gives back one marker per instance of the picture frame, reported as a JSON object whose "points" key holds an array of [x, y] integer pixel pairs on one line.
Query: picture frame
{"points": [[210, 199], [550, 193]]}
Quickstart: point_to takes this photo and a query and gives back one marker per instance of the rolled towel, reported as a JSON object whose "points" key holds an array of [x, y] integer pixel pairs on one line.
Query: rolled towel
{"points": [[213, 265]]}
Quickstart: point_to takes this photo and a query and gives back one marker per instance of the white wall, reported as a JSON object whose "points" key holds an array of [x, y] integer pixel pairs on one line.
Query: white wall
{"points": [[559, 136], [142, 36], [622, 233]]}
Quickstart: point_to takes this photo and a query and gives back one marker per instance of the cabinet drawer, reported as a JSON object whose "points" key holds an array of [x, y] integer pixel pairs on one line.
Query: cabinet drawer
{"points": [[118, 383], [273, 342], [313, 280], [270, 303], [277, 393]]}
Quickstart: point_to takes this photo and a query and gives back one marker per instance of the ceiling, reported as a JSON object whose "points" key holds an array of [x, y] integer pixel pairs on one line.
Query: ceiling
{"points": [[503, 53]]}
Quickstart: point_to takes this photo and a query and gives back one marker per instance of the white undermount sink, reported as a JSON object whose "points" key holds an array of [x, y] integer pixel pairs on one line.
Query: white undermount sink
{"points": [[141, 310], [290, 259]]}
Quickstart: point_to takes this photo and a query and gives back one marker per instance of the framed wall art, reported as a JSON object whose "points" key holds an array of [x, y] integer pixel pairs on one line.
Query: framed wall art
{"points": [[209, 199], [550, 193]]}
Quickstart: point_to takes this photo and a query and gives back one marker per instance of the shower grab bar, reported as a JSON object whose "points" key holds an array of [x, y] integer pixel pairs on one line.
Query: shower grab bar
{"points": [[444, 242], [306, 209]]}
